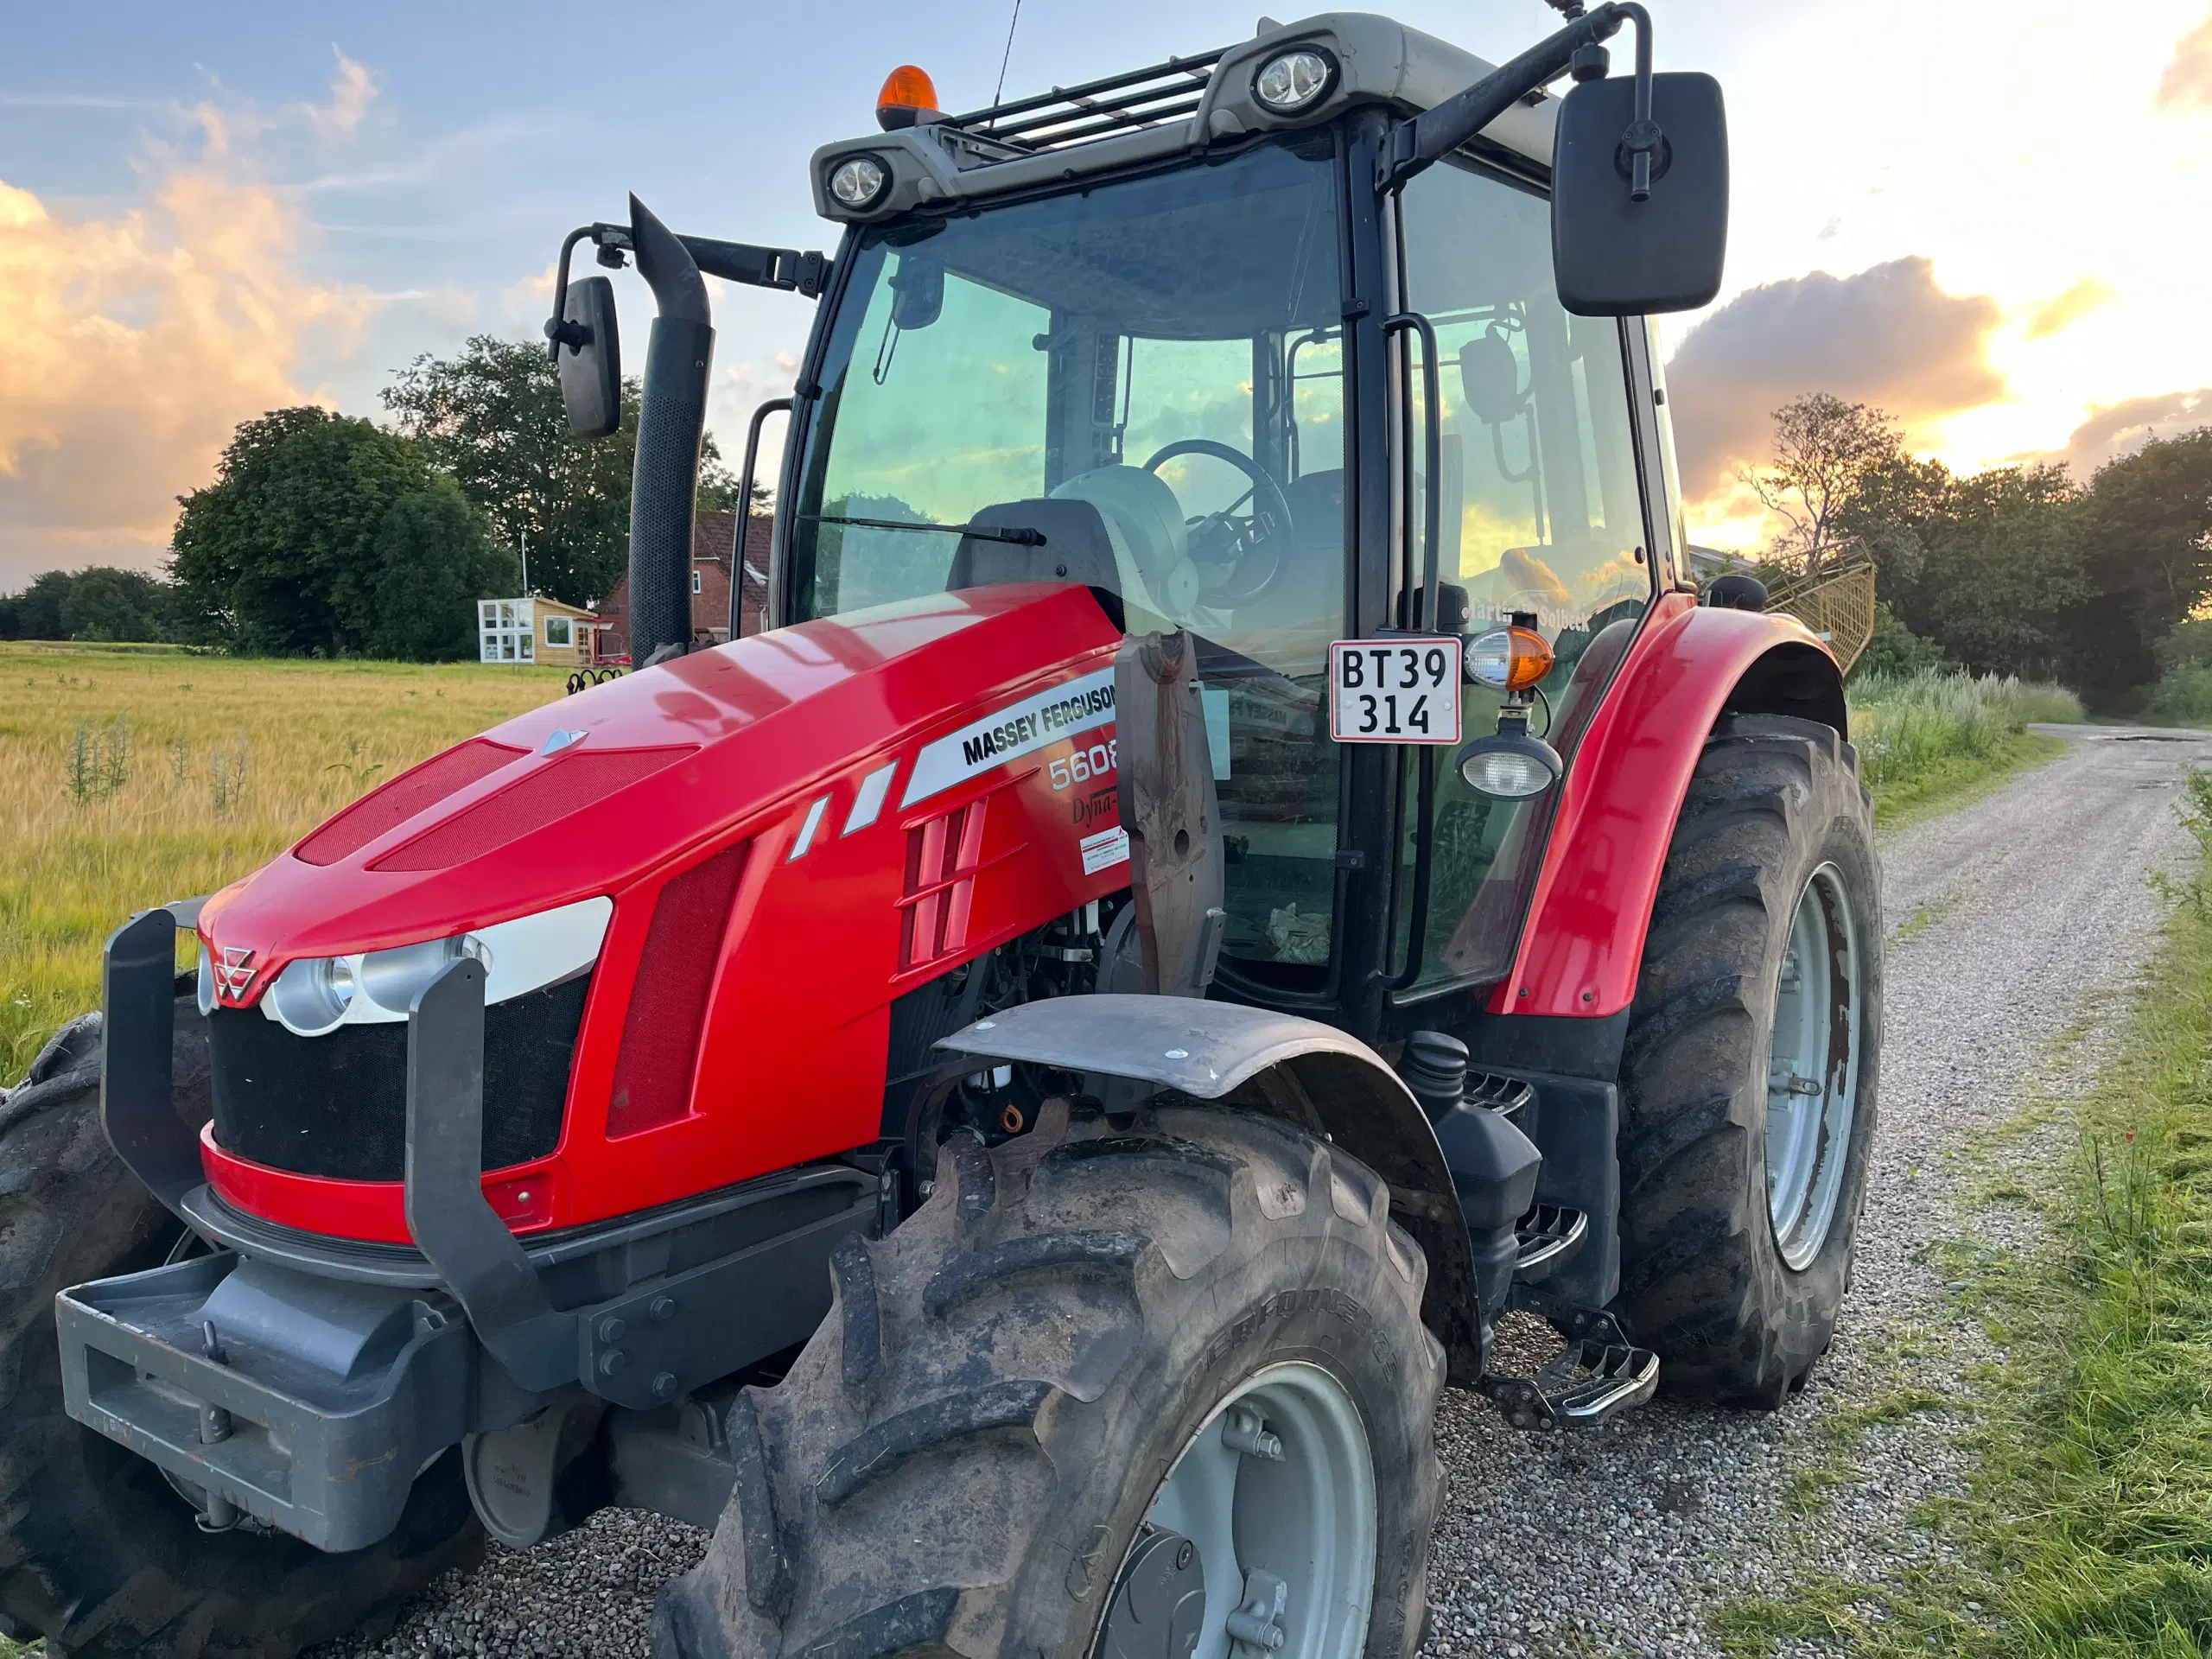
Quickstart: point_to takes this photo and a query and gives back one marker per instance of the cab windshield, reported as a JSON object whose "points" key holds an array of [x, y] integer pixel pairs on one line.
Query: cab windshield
{"points": [[1165, 349]]}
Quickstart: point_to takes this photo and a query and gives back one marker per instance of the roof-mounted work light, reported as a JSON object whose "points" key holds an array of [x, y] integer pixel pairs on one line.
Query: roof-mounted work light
{"points": [[858, 181], [1294, 80]]}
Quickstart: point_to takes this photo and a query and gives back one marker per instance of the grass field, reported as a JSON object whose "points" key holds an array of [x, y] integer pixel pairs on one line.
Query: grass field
{"points": [[130, 776]]}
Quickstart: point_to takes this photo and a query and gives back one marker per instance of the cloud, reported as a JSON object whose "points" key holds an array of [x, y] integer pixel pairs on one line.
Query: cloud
{"points": [[2069, 307], [1887, 336], [137, 343], [2116, 429], [2187, 84], [350, 95]]}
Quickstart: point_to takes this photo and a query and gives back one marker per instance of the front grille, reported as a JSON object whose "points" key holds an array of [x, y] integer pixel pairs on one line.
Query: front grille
{"points": [[336, 1105]]}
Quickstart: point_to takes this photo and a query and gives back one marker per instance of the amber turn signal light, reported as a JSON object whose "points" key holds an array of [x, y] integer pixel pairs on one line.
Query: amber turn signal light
{"points": [[908, 92], [1509, 660]]}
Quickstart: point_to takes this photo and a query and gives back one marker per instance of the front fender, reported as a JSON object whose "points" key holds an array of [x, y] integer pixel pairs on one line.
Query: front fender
{"points": [[1308, 1074], [1583, 941]]}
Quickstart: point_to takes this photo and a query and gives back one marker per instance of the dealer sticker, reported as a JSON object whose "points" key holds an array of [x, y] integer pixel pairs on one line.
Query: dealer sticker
{"points": [[1399, 689], [1104, 850]]}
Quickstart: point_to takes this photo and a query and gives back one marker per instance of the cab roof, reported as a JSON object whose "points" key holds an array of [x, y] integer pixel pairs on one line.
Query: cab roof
{"points": [[1181, 106]]}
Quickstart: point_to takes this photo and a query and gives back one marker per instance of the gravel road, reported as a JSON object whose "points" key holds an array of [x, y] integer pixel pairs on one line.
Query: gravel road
{"points": [[2014, 922]]}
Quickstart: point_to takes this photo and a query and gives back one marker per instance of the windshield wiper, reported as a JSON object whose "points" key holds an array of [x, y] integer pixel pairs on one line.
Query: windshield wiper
{"points": [[1020, 536]]}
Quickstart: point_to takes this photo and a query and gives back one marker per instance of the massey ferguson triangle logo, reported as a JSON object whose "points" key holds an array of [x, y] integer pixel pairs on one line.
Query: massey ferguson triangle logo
{"points": [[233, 971]]}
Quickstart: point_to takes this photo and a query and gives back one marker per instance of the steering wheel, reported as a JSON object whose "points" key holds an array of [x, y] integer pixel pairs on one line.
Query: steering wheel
{"points": [[1224, 544]]}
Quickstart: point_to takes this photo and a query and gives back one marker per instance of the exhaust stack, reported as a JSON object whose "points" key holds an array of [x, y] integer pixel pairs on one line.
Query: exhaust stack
{"points": [[664, 481]]}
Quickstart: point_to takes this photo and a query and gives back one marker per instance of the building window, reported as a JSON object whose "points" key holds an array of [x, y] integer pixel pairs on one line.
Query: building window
{"points": [[505, 630], [558, 631], [694, 582]]}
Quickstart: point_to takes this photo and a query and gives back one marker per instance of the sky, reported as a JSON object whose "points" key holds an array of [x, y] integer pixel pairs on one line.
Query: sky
{"points": [[1992, 222]]}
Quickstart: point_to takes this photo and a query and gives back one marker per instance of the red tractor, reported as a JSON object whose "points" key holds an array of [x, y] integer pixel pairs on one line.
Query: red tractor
{"points": [[1237, 861]]}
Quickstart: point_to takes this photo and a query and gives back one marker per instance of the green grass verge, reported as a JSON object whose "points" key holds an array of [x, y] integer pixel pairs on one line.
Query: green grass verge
{"points": [[1950, 782], [2086, 1531], [1929, 742]]}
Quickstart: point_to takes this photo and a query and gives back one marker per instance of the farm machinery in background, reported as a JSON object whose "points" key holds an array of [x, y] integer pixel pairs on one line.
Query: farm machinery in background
{"points": [[1237, 862]]}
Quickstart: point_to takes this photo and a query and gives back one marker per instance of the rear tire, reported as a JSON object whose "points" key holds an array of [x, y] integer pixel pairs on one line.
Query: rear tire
{"points": [[1738, 1303], [960, 1460], [97, 1553]]}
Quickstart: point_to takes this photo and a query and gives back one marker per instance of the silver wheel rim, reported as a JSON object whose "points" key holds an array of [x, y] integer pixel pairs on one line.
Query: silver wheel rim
{"points": [[1305, 1516], [1812, 1089]]}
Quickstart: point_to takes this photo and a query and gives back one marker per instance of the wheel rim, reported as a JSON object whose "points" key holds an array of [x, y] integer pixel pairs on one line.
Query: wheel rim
{"points": [[1812, 1068], [1306, 1517]]}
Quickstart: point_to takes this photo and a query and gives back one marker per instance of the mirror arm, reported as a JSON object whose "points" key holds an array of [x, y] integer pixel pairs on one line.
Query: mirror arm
{"points": [[611, 240], [807, 274], [1412, 147], [740, 262]]}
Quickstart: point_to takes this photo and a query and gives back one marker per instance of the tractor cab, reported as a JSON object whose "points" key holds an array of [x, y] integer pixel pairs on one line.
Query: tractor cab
{"points": [[1234, 385]]}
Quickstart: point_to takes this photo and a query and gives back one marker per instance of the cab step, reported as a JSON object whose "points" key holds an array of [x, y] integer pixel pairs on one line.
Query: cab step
{"points": [[1549, 1236], [1598, 1375]]}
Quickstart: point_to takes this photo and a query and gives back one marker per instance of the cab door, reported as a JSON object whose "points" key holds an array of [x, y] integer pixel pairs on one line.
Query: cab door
{"points": [[1542, 519]]}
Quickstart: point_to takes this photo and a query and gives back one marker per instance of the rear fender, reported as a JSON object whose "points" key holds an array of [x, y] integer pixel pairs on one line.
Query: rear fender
{"points": [[1581, 946], [1308, 1074]]}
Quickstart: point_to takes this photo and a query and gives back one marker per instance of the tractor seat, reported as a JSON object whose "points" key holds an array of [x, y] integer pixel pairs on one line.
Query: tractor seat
{"points": [[1075, 547]]}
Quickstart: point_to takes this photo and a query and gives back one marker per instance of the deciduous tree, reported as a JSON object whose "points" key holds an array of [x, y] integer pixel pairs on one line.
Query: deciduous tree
{"points": [[314, 534], [2147, 552], [490, 415], [1824, 449]]}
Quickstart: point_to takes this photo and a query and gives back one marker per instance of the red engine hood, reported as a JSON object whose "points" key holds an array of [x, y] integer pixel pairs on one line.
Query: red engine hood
{"points": [[593, 792]]}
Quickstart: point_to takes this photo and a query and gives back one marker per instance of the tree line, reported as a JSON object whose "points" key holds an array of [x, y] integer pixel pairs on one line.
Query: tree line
{"points": [[327, 534], [2019, 570]]}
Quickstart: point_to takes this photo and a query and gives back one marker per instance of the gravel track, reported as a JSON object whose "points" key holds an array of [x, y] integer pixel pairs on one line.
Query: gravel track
{"points": [[2016, 922]]}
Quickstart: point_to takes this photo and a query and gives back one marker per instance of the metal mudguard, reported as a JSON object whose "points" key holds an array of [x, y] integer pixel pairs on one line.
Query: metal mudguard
{"points": [[1300, 1070]]}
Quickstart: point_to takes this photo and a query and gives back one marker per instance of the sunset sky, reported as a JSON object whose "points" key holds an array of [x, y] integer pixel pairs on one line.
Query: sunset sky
{"points": [[1994, 222]]}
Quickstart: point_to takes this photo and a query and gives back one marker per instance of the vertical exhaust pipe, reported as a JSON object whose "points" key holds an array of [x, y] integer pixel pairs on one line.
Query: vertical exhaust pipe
{"points": [[664, 482]]}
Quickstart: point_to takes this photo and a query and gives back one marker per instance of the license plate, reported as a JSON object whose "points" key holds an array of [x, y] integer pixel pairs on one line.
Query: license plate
{"points": [[1396, 690]]}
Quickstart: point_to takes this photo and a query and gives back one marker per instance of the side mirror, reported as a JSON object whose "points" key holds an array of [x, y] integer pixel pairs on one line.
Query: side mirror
{"points": [[588, 351], [1612, 255], [1490, 379], [917, 293]]}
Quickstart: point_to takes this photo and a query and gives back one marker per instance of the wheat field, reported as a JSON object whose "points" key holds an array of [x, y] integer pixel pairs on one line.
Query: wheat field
{"points": [[133, 775]]}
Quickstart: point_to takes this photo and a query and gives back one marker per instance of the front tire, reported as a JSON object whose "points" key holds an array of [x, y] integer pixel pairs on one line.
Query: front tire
{"points": [[97, 1553], [1021, 1389], [1749, 1074]]}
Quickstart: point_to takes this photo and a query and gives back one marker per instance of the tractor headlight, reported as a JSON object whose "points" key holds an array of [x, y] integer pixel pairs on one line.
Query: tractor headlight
{"points": [[311, 995], [317, 995], [858, 181], [1294, 80], [1509, 767], [207, 982]]}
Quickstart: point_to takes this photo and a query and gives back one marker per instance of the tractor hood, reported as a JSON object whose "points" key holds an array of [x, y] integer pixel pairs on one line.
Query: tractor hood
{"points": [[595, 793]]}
